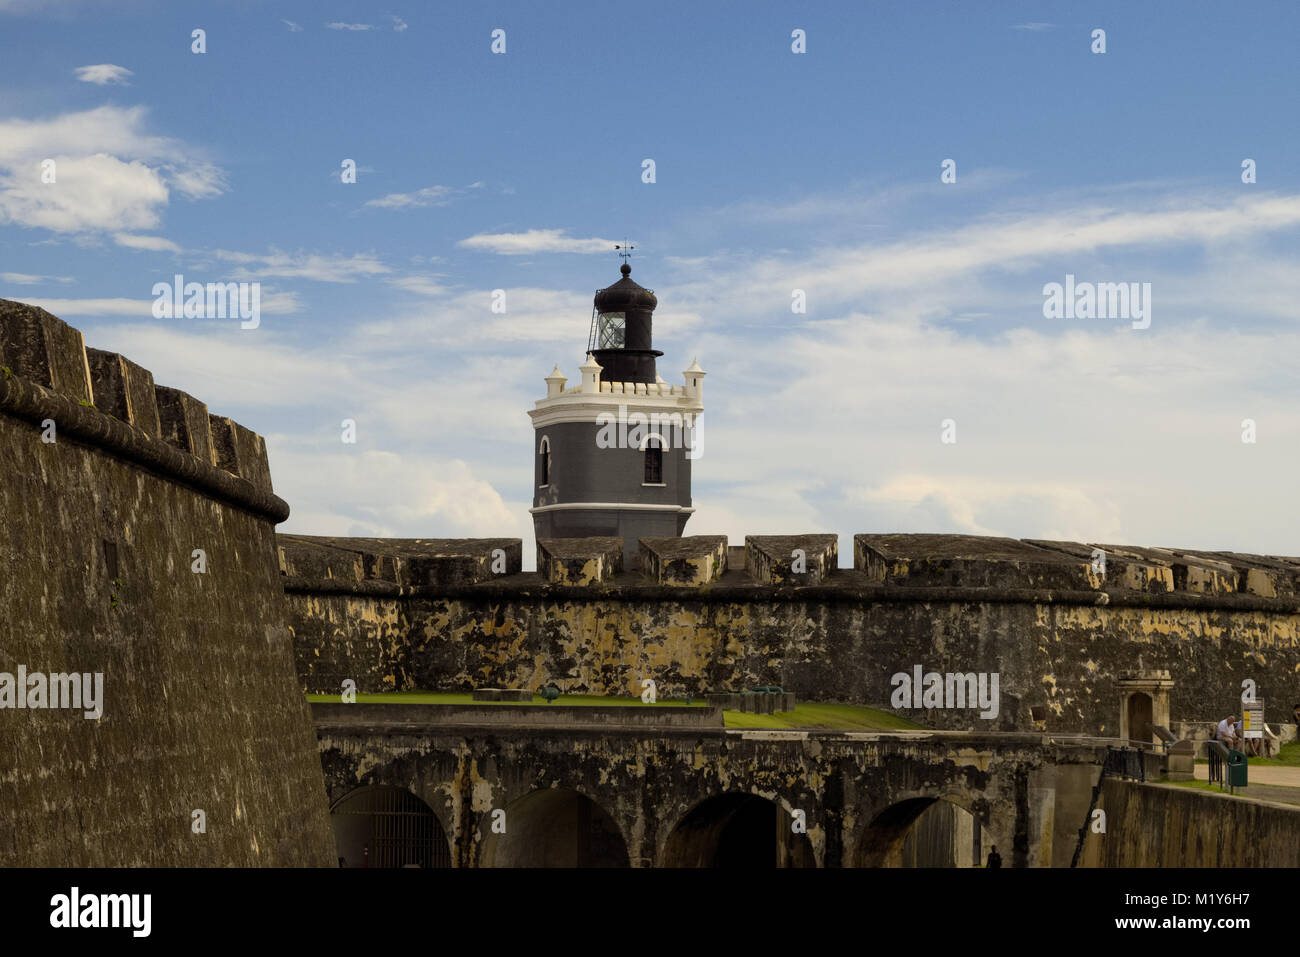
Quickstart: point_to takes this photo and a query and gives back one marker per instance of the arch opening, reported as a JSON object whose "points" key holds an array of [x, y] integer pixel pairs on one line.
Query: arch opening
{"points": [[544, 462], [554, 828], [924, 832], [382, 826], [737, 830]]}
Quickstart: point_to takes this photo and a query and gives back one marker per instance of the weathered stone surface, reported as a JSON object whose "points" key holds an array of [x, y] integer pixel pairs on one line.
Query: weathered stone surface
{"points": [[184, 423], [1123, 567], [1182, 761], [579, 561], [240, 451], [690, 561], [1061, 652], [664, 787], [43, 349], [968, 561], [126, 391], [1180, 827], [772, 559], [201, 709], [1192, 572], [1258, 574], [496, 714], [405, 562]]}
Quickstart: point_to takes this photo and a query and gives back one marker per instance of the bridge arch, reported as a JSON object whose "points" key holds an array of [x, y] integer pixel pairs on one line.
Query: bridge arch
{"points": [[944, 829], [553, 827], [736, 829], [381, 825]]}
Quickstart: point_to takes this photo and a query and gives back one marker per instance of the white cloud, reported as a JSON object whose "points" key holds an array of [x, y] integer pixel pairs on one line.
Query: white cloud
{"points": [[94, 307], [27, 279], [424, 494], [535, 241], [293, 27], [152, 243], [110, 174], [197, 180], [399, 24], [103, 73], [420, 285], [272, 303], [939, 265], [428, 196], [339, 25], [1034, 27], [300, 265]]}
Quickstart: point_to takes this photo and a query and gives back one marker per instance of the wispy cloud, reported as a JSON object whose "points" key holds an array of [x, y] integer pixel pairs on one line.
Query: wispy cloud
{"points": [[103, 74], [27, 279], [428, 196], [398, 23], [300, 265], [419, 285], [1034, 27], [272, 303], [535, 241], [937, 264], [339, 25], [152, 243]]}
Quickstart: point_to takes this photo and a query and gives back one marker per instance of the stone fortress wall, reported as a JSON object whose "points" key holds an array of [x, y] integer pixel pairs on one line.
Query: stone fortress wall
{"points": [[108, 486], [698, 616]]}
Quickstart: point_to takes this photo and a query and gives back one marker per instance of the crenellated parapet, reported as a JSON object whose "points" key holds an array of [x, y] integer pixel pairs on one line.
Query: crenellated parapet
{"points": [[684, 562], [791, 559], [390, 565], [103, 399], [579, 561], [972, 561], [897, 567]]}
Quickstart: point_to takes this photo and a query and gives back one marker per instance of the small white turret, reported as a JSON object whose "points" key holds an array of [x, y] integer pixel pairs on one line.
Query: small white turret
{"points": [[590, 375], [555, 382], [695, 381]]}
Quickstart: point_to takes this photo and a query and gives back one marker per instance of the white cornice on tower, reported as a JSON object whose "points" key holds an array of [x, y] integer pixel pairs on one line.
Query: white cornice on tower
{"points": [[585, 402]]}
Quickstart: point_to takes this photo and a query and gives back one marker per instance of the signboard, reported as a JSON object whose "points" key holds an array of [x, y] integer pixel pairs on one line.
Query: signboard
{"points": [[1252, 719]]}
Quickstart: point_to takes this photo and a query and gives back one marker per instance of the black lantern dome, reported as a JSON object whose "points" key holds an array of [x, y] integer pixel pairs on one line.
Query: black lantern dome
{"points": [[625, 295], [621, 331]]}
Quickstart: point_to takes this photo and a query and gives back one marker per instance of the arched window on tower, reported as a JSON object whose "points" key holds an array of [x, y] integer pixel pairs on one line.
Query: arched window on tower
{"points": [[654, 460], [544, 463]]}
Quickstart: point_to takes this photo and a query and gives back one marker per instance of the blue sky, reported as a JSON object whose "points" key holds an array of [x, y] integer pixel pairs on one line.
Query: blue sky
{"points": [[775, 171]]}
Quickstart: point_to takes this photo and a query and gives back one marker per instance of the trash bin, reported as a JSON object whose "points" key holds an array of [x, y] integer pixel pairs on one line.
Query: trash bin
{"points": [[1236, 769]]}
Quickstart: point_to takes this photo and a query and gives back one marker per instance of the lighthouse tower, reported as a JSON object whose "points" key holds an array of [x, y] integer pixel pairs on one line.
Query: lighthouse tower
{"points": [[612, 455]]}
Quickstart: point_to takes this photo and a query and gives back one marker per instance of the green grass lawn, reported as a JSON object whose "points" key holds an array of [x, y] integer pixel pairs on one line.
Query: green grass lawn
{"points": [[1288, 757], [1194, 785], [816, 715], [806, 715]]}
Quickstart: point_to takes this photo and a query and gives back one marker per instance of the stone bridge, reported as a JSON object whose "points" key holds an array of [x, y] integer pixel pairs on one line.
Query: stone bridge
{"points": [[495, 786]]}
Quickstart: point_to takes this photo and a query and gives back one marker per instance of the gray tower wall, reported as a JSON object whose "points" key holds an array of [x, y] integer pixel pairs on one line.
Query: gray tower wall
{"points": [[581, 471]]}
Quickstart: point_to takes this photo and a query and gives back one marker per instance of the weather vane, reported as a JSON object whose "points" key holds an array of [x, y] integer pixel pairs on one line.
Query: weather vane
{"points": [[625, 250]]}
